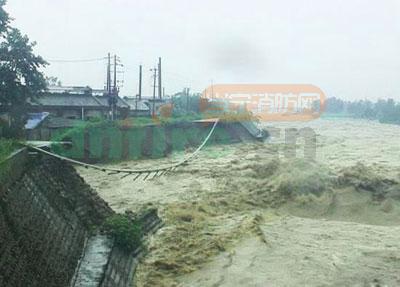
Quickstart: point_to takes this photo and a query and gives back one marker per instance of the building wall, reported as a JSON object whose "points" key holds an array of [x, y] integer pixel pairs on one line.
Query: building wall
{"points": [[76, 112], [94, 114], [71, 114]]}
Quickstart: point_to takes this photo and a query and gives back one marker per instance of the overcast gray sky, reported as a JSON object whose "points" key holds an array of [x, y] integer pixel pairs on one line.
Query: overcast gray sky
{"points": [[349, 48]]}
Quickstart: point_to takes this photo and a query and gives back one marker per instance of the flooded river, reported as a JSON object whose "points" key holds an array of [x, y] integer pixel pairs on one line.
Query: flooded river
{"points": [[249, 215]]}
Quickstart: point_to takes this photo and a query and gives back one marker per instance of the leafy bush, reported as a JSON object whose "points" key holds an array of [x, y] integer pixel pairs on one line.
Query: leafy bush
{"points": [[127, 233]]}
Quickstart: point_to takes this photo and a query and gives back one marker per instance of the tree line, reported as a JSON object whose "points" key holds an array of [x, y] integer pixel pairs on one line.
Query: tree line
{"points": [[385, 111]]}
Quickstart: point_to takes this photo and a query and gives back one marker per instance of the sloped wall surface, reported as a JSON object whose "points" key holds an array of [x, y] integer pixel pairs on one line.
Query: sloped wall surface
{"points": [[45, 216]]}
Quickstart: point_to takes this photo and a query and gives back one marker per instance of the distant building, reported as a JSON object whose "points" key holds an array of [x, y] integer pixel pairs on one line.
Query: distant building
{"points": [[157, 103], [69, 106], [122, 106], [60, 107], [144, 107], [137, 108], [43, 126], [81, 103]]}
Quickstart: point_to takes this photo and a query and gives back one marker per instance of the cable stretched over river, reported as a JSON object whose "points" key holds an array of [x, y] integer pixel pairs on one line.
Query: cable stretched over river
{"points": [[128, 172]]}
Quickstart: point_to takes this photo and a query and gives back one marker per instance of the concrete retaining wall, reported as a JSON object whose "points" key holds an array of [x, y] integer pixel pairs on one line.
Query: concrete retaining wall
{"points": [[46, 214], [102, 144]]}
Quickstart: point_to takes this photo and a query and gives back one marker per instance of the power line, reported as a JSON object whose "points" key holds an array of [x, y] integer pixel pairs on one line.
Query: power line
{"points": [[159, 171], [78, 60]]}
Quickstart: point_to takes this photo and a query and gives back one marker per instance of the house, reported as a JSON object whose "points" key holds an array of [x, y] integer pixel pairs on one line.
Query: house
{"points": [[69, 106], [44, 126], [76, 103], [144, 106], [137, 108], [122, 106]]}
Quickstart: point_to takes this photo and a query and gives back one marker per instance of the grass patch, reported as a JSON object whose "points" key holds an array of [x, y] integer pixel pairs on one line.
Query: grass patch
{"points": [[6, 148]]}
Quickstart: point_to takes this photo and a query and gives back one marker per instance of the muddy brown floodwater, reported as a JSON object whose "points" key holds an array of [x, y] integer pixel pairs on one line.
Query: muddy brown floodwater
{"points": [[244, 215]]}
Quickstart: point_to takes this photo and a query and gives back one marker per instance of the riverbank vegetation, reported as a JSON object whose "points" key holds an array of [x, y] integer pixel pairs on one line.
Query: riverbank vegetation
{"points": [[384, 111], [6, 148]]}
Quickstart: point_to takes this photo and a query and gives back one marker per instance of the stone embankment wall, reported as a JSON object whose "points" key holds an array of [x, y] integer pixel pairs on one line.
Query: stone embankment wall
{"points": [[46, 214], [102, 144]]}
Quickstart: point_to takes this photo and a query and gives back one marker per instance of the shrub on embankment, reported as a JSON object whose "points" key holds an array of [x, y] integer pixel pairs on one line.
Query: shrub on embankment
{"points": [[6, 148], [126, 232]]}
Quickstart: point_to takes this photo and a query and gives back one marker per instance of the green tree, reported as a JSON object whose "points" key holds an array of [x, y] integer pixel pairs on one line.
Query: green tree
{"points": [[186, 103], [53, 82], [20, 75]]}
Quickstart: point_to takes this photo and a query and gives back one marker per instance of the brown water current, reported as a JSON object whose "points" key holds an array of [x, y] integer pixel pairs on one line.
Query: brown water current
{"points": [[246, 215]]}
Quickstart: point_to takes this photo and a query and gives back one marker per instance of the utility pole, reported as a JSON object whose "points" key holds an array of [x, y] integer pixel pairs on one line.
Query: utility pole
{"points": [[108, 75], [140, 82], [139, 95], [112, 86], [154, 70], [108, 88], [115, 74], [115, 91], [187, 100], [159, 79]]}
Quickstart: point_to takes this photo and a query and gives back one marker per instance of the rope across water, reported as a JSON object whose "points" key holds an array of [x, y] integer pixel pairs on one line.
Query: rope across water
{"points": [[127, 172]]}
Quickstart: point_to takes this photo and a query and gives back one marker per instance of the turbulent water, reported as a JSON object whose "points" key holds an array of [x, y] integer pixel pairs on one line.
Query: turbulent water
{"points": [[250, 215]]}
